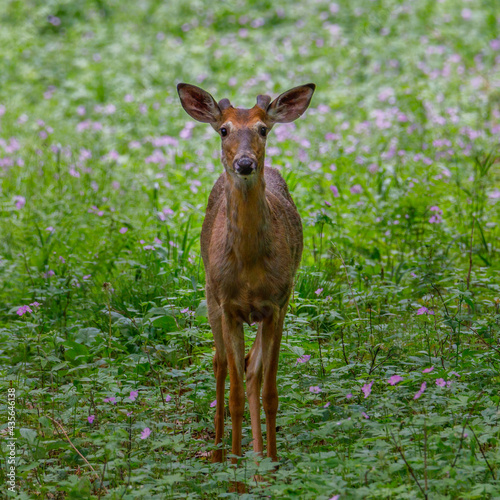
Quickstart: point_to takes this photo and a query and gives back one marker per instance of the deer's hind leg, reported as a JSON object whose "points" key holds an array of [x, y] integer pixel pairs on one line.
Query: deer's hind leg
{"points": [[271, 340]]}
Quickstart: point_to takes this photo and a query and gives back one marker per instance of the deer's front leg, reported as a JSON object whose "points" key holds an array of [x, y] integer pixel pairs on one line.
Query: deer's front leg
{"points": [[220, 371], [271, 340], [253, 368], [234, 342]]}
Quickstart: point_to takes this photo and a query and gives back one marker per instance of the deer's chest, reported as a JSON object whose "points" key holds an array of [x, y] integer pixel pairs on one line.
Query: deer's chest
{"points": [[253, 291]]}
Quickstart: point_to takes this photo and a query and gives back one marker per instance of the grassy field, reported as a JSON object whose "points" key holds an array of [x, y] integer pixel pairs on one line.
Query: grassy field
{"points": [[389, 370]]}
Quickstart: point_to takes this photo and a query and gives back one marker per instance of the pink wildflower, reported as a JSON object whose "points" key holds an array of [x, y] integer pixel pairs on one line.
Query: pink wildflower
{"points": [[334, 191], [395, 379], [304, 358], [23, 310], [20, 201], [146, 433], [420, 391], [424, 310], [367, 389]]}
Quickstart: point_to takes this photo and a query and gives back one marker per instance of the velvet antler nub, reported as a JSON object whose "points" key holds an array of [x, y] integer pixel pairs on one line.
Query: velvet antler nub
{"points": [[263, 101]]}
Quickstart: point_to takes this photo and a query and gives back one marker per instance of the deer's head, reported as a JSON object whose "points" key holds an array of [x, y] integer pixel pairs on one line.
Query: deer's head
{"points": [[244, 131]]}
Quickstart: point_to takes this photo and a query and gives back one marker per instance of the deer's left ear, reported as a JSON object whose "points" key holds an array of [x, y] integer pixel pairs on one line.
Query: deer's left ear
{"points": [[291, 104]]}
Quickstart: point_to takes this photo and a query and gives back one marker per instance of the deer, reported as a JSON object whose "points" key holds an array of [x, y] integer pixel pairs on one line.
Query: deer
{"points": [[251, 247]]}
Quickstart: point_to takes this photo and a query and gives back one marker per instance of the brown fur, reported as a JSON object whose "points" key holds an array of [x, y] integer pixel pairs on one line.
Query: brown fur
{"points": [[251, 245]]}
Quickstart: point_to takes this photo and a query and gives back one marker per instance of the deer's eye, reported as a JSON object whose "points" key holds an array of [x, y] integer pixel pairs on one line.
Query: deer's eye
{"points": [[223, 132], [263, 131]]}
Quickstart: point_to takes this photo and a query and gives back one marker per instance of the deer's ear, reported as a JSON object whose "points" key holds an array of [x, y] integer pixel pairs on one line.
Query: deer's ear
{"points": [[291, 104], [199, 104]]}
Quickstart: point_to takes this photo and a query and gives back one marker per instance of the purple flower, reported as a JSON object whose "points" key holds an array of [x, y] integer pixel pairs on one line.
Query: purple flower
{"points": [[35, 304], [213, 403], [348, 396], [55, 21], [367, 389], [440, 382], [420, 391], [129, 414], [20, 201], [304, 358], [436, 218], [315, 389], [335, 497], [146, 433], [395, 379], [365, 415], [356, 189], [133, 395], [168, 397], [91, 418], [424, 310], [87, 277], [326, 405], [466, 14], [334, 191], [23, 310], [184, 311], [315, 165], [111, 399], [123, 230], [318, 291], [428, 370]]}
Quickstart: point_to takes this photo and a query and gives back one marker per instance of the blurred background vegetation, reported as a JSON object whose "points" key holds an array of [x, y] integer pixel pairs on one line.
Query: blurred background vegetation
{"points": [[103, 185]]}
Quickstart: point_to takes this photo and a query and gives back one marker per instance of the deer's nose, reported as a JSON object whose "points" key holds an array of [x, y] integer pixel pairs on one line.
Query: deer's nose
{"points": [[244, 166]]}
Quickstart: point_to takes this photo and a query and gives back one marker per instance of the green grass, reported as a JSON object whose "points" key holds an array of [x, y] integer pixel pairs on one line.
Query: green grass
{"points": [[103, 186]]}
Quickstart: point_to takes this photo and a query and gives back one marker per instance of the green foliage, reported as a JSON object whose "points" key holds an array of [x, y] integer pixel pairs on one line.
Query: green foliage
{"points": [[389, 368]]}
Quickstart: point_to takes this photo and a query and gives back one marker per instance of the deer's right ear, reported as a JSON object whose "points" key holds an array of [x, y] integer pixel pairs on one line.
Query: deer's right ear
{"points": [[199, 104]]}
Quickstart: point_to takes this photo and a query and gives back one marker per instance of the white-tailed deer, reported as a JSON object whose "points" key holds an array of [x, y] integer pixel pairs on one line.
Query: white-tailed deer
{"points": [[251, 245]]}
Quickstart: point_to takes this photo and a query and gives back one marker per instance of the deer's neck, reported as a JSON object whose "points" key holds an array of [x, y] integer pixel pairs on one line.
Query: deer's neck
{"points": [[248, 220]]}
